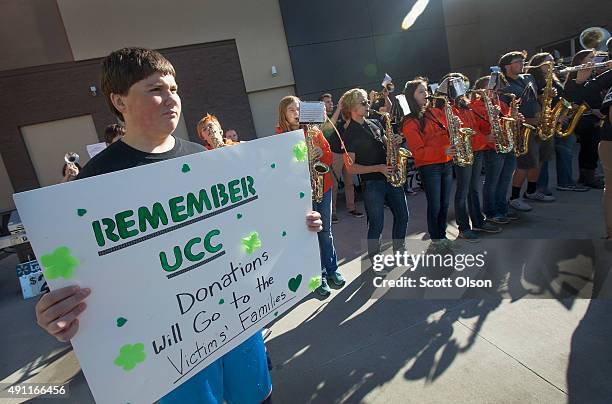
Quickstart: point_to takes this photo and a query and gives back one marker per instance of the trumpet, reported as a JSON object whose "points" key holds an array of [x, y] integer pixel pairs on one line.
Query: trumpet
{"points": [[71, 158]]}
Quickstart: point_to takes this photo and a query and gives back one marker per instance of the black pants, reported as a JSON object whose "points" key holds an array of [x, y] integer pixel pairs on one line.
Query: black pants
{"points": [[588, 134]]}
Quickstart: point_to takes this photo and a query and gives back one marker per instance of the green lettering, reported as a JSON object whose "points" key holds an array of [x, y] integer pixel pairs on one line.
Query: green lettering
{"points": [[197, 203], [215, 195], [98, 233], [176, 209], [164, 260], [224, 198], [152, 217], [109, 230], [189, 254], [207, 242], [124, 225], [250, 181], [234, 191]]}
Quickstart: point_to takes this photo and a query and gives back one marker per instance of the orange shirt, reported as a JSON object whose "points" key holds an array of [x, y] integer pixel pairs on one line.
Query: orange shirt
{"points": [[428, 146], [485, 127], [471, 120], [327, 158]]}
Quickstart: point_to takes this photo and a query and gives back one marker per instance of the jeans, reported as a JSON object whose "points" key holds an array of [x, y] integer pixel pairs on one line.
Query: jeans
{"points": [[499, 168], [564, 147], [329, 264], [438, 181], [543, 177], [376, 193], [467, 198]]}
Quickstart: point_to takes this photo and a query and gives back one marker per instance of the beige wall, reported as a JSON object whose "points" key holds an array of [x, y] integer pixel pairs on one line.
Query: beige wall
{"points": [[264, 105], [49, 142], [6, 189], [31, 34], [96, 27]]}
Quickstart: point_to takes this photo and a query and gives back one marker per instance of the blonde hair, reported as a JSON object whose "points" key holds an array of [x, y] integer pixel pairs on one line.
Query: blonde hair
{"points": [[283, 123], [349, 100]]}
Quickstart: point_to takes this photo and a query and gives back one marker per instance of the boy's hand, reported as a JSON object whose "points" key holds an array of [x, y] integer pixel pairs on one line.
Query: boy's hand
{"points": [[57, 312], [313, 221]]}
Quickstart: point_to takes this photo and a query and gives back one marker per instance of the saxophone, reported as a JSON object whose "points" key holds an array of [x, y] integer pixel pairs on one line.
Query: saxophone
{"points": [[573, 114], [520, 130], [397, 157], [460, 138], [316, 168], [549, 115], [504, 141]]}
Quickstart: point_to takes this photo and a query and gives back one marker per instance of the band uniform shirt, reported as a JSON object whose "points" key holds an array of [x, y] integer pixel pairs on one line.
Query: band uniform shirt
{"points": [[529, 105], [121, 156], [366, 141]]}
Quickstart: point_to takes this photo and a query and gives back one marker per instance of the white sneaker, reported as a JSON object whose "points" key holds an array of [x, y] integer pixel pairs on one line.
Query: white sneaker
{"points": [[520, 204], [540, 197]]}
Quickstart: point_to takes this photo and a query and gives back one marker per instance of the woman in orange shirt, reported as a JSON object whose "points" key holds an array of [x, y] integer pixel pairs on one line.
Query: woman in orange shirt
{"points": [[426, 134], [288, 120]]}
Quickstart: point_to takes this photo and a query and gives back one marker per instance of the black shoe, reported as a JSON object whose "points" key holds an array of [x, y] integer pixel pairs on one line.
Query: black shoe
{"points": [[355, 213]]}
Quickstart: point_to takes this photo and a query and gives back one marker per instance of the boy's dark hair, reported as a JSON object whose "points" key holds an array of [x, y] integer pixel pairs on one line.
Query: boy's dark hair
{"points": [[507, 58], [326, 95], [124, 67], [112, 131]]}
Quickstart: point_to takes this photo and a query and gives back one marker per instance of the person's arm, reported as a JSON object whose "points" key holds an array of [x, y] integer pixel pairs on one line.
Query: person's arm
{"points": [[594, 87], [354, 168], [57, 312]]}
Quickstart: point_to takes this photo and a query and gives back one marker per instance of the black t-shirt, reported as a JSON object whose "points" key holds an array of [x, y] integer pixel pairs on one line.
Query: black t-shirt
{"points": [[120, 156], [332, 137], [367, 143]]}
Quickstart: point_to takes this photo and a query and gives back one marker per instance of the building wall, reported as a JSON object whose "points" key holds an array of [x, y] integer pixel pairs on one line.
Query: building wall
{"points": [[357, 41], [480, 31], [94, 28]]}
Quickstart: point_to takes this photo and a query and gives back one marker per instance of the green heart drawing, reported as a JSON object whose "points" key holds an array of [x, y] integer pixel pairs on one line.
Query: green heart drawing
{"points": [[239, 216], [273, 165], [294, 283], [302, 195], [186, 168], [221, 301], [284, 233], [81, 212], [121, 321]]}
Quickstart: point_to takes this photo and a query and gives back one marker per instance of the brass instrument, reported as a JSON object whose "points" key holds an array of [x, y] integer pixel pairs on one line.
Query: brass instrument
{"points": [[549, 115], [397, 157], [573, 113], [520, 130], [215, 135], [460, 138], [317, 168], [583, 66], [501, 127], [594, 38], [71, 158]]}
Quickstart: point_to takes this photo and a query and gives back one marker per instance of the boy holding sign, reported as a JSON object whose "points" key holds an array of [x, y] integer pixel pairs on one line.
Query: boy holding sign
{"points": [[139, 87]]}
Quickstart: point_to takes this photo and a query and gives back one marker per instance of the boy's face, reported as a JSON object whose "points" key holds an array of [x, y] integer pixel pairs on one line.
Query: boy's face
{"points": [[152, 106]]}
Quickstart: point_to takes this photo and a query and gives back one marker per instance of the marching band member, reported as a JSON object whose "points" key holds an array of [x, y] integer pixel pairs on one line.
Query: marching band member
{"points": [[211, 134], [499, 166], [366, 155], [426, 131], [605, 153], [288, 120], [467, 194]]}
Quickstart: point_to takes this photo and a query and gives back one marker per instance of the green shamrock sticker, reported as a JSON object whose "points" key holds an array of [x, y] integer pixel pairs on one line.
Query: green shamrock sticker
{"points": [[59, 264], [186, 168], [81, 212], [251, 242], [273, 165], [130, 356], [300, 151], [121, 321], [294, 283], [302, 195], [314, 283]]}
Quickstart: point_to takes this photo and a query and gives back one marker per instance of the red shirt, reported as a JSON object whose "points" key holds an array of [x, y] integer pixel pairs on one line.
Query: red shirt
{"points": [[429, 145], [484, 126], [327, 158], [471, 120]]}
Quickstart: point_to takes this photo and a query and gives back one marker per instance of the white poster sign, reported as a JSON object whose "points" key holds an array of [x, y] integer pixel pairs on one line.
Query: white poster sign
{"points": [[186, 259]]}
